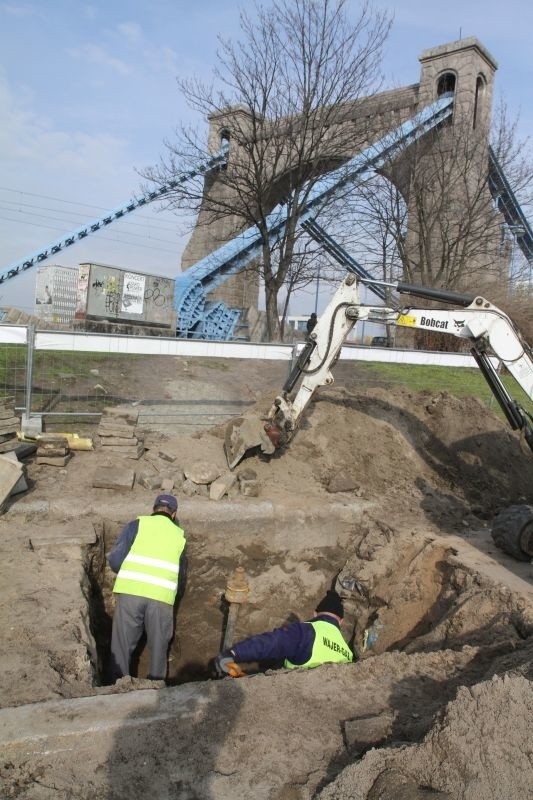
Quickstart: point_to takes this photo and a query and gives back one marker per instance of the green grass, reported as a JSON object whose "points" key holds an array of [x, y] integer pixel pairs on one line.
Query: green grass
{"points": [[459, 381], [52, 367]]}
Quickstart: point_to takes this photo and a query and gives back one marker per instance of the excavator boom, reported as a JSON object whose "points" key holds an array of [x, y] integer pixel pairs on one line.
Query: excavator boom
{"points": [[488, 329]]}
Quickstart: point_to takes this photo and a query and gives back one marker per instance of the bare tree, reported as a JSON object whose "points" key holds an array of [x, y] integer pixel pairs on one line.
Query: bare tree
{"points": [[433, 220], [281, 95]]}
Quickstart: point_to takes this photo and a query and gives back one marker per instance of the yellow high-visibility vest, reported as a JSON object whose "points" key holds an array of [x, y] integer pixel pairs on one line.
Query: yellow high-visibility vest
{"points": [[329, 647], [151, 567]]}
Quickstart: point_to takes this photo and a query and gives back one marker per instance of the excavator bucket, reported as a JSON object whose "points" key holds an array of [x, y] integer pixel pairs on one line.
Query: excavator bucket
{"points": [[244, 434]]}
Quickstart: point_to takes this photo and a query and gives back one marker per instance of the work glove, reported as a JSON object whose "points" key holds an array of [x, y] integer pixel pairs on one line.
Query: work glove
{"points": [[225, 665]]}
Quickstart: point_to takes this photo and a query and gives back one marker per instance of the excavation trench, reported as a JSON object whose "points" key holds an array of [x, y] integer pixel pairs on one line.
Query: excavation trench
{"points": [[402, 592]]}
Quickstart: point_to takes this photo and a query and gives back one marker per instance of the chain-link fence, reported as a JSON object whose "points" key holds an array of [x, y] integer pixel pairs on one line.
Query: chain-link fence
{"points": [[72, 386]]}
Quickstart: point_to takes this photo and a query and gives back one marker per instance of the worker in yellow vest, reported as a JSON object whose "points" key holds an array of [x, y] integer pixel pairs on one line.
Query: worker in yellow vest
{"points": [[299, 645], [150, 561]]}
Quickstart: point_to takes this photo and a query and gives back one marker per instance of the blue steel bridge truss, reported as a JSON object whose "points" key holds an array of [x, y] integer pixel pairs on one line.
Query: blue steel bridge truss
{"points": [[200, 318]]}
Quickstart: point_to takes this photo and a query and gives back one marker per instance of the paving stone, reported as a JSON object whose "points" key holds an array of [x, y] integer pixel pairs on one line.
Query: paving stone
{"points": [[53, 461], [21, 485], [120, 441], [222, 485], [342, 481], [81, 533], [113, 478], [10, 444], [166, 456], [249, 488], [50, 450], [115, 430], [128, 416], [135, 451], [149, 481], [202, 472], [189, 488], [10, 473]]}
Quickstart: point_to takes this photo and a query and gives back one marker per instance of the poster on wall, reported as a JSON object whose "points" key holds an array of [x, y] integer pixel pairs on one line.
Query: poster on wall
{"points": [[133, 293], [43, 294], [81, 291]]}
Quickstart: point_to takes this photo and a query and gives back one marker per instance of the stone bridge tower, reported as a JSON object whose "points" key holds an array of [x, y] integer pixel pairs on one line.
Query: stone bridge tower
{"points": [[464, 67]]}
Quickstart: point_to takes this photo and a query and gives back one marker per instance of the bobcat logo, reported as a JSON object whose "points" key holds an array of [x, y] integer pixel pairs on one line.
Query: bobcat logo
{"points": [[459, 323]]}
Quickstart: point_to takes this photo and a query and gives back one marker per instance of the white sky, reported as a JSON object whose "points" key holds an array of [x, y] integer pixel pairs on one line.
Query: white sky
{"points": [[88, 94]]}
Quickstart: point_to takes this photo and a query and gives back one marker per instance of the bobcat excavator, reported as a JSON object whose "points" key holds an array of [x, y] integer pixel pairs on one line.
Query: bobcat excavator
{"points": [[487, 328]]}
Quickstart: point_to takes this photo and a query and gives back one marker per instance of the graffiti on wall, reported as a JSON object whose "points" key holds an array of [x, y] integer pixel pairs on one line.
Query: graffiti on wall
{"points": [[156, 294]]}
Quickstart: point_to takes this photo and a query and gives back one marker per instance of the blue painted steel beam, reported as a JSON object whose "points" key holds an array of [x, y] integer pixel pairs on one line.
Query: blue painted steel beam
{"points": [[341, 255], [203, 167], [233, 256], [510, 207]]}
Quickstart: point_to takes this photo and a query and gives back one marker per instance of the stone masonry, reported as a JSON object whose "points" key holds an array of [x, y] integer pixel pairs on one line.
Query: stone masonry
{"points": [[464, 65]]}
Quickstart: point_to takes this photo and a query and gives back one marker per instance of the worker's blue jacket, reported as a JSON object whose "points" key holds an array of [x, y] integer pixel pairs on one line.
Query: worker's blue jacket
{"points": [[292, 643]]}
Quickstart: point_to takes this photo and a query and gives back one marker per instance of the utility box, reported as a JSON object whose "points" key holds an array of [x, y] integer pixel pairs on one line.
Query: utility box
{"points": [[119, 295]]}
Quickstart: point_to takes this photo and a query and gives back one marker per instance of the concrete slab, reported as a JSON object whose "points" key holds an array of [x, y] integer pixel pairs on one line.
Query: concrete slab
{"points": [[10, 473], [21, 485], [31, 425], [81, 533], [107, 478], [34, 723]]}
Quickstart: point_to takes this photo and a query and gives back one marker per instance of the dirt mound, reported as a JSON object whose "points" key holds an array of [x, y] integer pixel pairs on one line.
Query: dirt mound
{"points": [[371, 495], [434, 453], [454, 760]]}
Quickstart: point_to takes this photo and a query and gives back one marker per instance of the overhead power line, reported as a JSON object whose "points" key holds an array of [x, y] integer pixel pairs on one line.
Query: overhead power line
{"points": [[46, 216], [68, 202], [107, 238], [65, 213]]}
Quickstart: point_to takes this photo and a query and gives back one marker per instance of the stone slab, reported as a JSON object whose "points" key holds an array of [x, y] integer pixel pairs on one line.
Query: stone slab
{"points": [[127, 452], [21, 485], [167, 456], [81, 533], [53, 461], [11, 425], [35, 723], [50, 450], [25, 449], [115, 430], [149, 481], [10, 473], [120, 441], [112, 478], [9, 445], [31, 426], [52, 439], [222, 485], [129, 416]]}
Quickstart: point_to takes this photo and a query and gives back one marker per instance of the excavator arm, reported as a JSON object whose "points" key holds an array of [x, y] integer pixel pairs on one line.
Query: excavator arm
{"points": [[486, 327]]}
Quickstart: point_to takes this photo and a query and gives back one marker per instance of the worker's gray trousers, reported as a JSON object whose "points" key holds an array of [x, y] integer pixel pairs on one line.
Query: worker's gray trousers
{"points": [[132, 616]]}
